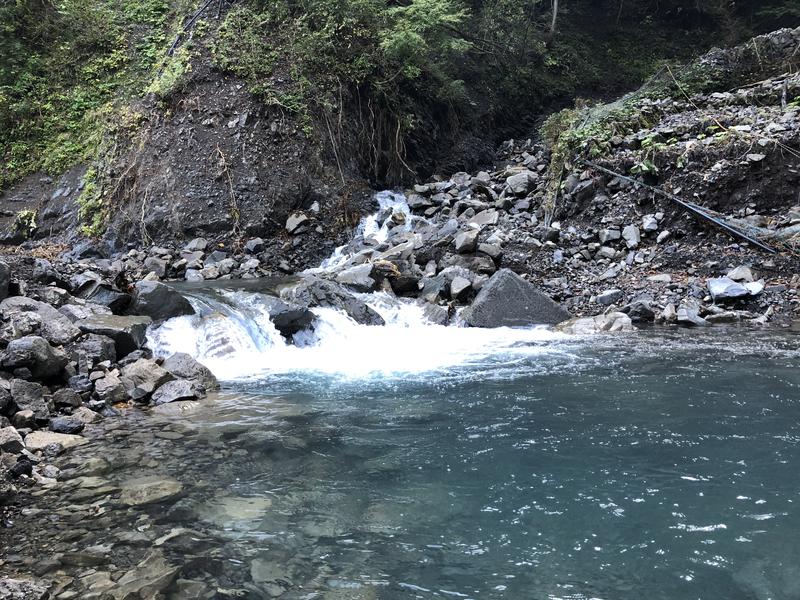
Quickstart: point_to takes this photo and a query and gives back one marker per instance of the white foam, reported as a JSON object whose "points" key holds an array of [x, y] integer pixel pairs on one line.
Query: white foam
{"points": [[248, 346]]}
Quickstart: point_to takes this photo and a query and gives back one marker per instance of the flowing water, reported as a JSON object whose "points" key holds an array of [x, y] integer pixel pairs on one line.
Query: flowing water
{"points": [[420, 461]]}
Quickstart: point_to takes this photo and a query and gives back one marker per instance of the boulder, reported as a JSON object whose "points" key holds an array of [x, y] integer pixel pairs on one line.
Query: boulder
{"points": [[156, 265], [106, 295], [67, 398], [76, 312], [460, 287], [725, 288], [522, 183], [96, 348], [27, 395], [614, 322], [359, 277], [55, 327], [11, 440], [128, 332], [86, 415], [689, 313], [296, 223], [196, 245], [68, 425], [313, 291], [254, 246], [36, 354], [741, 274], [507, 300], [159, 301], [287, 318], [609, 297], [466, 242], [174, 391], [632, 236], [5, 279], [110, 389], [39, 440], [145, 375]]}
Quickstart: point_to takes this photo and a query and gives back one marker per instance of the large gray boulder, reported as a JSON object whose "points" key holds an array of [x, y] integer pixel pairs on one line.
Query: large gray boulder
{"points": [[36, 354], [55, 327], [507, 300], [127, 332], [313, 291], [183, 366], [287, 318], [159, 301]]}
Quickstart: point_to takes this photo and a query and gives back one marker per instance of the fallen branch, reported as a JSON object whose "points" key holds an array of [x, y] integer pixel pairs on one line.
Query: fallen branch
{"points": [[700, 211]]}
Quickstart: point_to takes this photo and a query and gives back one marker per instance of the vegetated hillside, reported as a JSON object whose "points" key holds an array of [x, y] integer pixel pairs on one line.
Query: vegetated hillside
{"points": [[220, 118]]}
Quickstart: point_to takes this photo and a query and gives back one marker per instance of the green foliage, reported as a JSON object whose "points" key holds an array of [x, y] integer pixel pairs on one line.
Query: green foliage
{"points": [[91, 208], [25, 223], [62, 60], [171, 77]]}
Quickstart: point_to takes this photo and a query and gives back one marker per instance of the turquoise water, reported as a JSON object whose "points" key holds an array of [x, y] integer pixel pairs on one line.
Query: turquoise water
{"points": [[657, 465]]}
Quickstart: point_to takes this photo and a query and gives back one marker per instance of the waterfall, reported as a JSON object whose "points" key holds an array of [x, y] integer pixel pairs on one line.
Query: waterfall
{"points": [[233, 335]]}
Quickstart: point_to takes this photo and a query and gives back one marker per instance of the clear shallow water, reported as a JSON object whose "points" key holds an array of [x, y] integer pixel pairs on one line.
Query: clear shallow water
{"points": [[657, 465]]}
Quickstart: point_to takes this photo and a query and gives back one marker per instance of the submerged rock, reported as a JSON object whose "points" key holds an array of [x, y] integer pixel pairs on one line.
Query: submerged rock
{"points": [[39, 440], [507, 300], [149, 490]]}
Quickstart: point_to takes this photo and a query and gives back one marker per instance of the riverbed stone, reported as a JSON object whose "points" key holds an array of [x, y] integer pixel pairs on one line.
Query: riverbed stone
{"points": [[145, 375], [614, 322], [55, 327], [359, 277], [22, 589], [29, 395], [39, 440], [149, 490], [110, 389], [609, 297], [159, 301], [184, 366], [466, 242], [725, 288], [66, 425], [173, 391], [128, 332], [35, 353], [148, 579], [11, 440], [86, 415], [689, 313], [507, 300]]}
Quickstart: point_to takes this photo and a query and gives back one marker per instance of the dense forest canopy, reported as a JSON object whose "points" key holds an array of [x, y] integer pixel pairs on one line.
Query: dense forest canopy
{"points": [[65, 65]]}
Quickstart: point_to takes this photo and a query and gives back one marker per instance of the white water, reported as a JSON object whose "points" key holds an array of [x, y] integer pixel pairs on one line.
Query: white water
{"points": [[233, 335]]}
